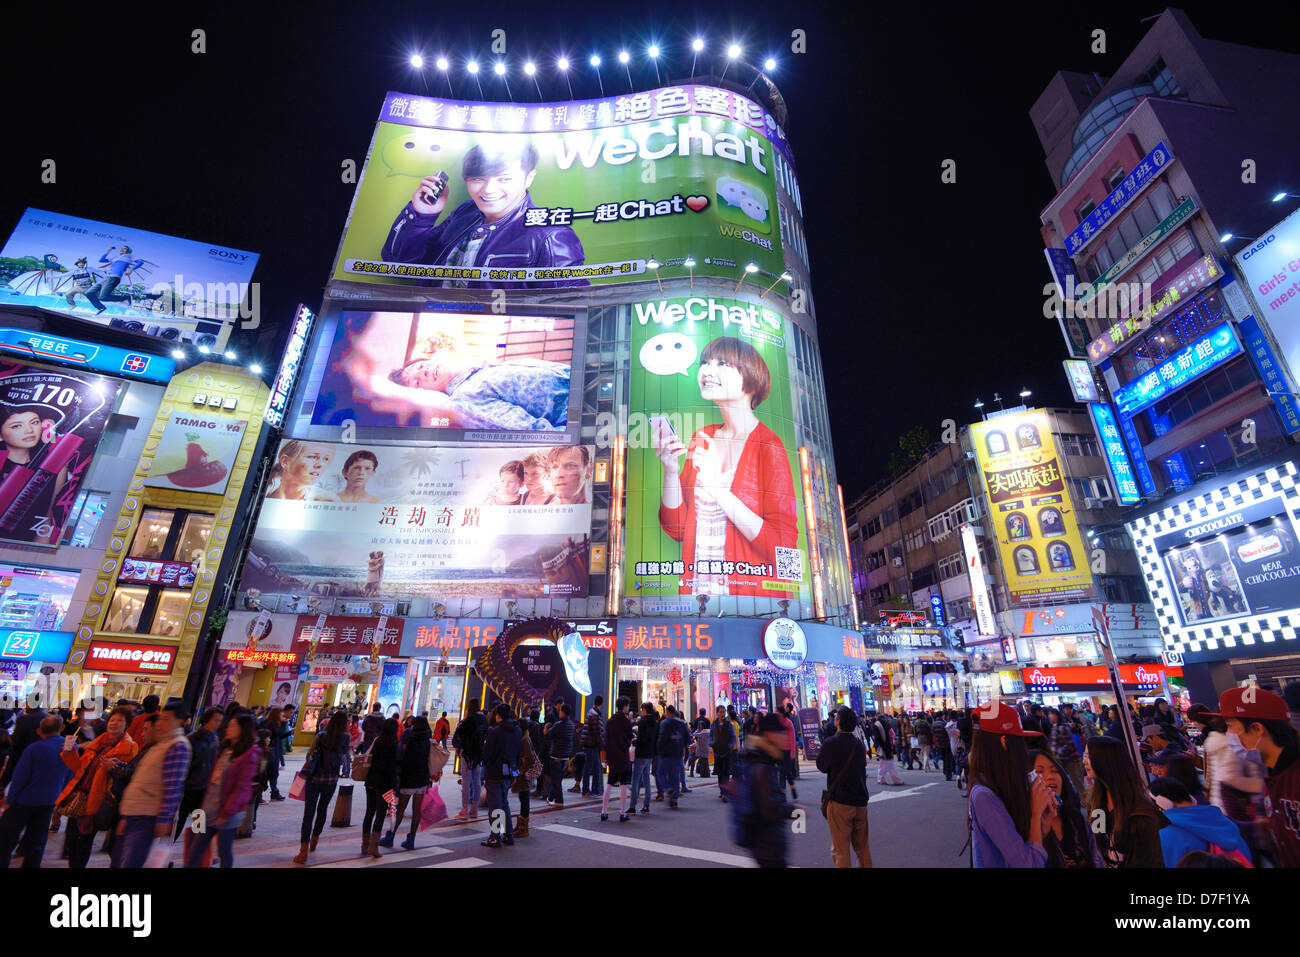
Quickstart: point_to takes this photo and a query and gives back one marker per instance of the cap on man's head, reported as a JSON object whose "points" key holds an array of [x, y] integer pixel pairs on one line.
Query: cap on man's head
{"points": [[1252, 703], [1151, 730]]}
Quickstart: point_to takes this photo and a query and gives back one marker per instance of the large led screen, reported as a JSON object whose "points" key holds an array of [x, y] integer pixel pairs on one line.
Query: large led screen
{"points": [[131, 279], [389, 521], [713, 499], [547, 195], [453, 375]]}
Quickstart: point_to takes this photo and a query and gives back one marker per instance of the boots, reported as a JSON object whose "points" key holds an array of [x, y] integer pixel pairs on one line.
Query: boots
{"points": [[374, 845], [314, 839], [365, 843], [302, 854], [521, 825], [386, 840], [409, 842]]}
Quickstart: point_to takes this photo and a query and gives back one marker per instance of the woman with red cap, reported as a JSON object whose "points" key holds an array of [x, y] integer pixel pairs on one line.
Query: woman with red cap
{"points": [[1261, 721], [1007, 802]]}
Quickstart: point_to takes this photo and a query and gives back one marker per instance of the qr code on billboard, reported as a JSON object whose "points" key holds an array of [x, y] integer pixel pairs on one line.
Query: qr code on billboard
{"points": [[789, 564]]}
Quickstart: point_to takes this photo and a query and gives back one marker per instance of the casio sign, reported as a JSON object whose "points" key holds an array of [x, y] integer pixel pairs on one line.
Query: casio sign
{"points": [[1257, 247]]}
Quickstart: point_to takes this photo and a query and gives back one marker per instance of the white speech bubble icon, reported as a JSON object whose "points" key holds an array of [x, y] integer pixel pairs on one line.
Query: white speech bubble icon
{"points": [[669, 353]]}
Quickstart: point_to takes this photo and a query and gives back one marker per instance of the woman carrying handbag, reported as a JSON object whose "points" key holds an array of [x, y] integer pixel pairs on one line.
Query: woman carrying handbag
{"points": [[85, 793], [319, 777], [380, 770], [530, 769]]}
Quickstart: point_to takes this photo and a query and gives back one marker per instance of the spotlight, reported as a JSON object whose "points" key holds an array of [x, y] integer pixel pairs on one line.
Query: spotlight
{"points": [[653, 51], [697, 44], [472, 66], [1025, 393], [443, 64], [255, 369], [417, 61], [499, 69], [595, 60], [652, 263], [733, 51], [751, 267], [230, 354], [204, 349], [178, 354], [689, 262], [529, 68], [623, 57], [769, 64], [562, 63]]}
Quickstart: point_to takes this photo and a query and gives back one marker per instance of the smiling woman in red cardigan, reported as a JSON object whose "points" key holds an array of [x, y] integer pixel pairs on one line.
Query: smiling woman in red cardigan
{"points": [[733, 499]]}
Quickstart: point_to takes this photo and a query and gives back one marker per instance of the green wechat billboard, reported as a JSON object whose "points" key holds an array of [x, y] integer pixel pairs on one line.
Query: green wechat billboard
{"points": [[714, 503], [542, 196]]}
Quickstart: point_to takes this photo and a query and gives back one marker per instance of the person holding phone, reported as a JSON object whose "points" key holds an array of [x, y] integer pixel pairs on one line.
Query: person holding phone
{"points": [[731, 503], [1008, 803]]}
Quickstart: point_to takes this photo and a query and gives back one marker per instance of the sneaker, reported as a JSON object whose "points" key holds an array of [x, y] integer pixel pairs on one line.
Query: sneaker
{"points": [[659, 797], [673, 805], [646, 809], [462, 816]]}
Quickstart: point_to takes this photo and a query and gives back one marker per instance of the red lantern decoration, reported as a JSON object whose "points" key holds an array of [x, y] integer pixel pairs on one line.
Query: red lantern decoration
{"points": [[675, 675]]}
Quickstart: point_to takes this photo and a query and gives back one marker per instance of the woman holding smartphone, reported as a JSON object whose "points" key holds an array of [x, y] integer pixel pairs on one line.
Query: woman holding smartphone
{"points": [[732, 500], [1066, 835], [1008, 802]]}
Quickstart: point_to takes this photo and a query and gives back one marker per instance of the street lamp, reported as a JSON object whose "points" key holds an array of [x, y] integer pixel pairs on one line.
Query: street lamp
{"points": [[1025, 393], [689, 263], [1283, 195], [595, 62], [562, 64], [653, 265], [749, 268], [1228, 237], [785, 275]]}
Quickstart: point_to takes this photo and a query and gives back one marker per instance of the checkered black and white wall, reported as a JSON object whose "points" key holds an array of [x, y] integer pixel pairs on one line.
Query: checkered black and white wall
{"points": [[1242, 635]]}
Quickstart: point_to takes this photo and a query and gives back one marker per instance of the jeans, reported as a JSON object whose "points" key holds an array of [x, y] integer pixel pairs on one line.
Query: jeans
{"points": [[30, 821], [471, 786], [641, 779], [273, 773], [722, 768], [557, 779], [591, 771], [316, 801], [79, 845], [671, 776], [131, 849], [190, 800], [949, 764], [225, 836], [372, 822], [501, 822], [525, 801], [104, 290]]}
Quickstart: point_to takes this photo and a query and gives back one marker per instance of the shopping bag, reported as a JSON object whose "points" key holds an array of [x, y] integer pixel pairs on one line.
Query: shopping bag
{"points": [[298, 789], [160, 853], [432, 810]]}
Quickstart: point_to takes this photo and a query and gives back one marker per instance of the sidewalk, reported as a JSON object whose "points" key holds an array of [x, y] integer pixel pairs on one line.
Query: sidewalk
{"points": [[275, 840]]}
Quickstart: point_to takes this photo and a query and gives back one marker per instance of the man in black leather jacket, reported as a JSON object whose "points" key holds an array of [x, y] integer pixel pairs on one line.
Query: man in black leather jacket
{"points": [[493, 229]]}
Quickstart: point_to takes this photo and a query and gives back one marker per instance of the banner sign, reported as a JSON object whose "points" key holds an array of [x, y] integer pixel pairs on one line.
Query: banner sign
{"points": [[1212, 350], [1272, 371], [448, 376], [1271, 268], [196, 453], [1031, 513], [50, 425], [691, 358], [1142, 176], [978, 584], [439, 637], [287, 374], [433, 522], [1182, 212], [49, 646], [175, 289], [552, 194], [342, 635], [127, 658], [1079, 374], [1121, 470], [1085, 678], [1169, 297], [1141, 466], [88, 355], [167, 574]]}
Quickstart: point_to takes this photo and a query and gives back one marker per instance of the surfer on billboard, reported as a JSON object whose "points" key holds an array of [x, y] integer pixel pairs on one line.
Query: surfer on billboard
{"points": [[732, 503], [493, 228]]}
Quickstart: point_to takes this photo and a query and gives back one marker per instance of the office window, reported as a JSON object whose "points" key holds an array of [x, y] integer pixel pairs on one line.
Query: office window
{"points": [[1115, 178], [1083, 211]]}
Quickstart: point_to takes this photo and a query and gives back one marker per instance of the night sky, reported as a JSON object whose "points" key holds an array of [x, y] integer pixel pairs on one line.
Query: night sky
{"points": [[928, 295]]}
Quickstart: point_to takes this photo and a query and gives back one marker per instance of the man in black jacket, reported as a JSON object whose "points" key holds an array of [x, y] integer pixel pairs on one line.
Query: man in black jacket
{"points": [[593, 739], [500, 766], [203, 751], [722, 738], [844, 762], [646, 740], [560, 737], [671, 746]]}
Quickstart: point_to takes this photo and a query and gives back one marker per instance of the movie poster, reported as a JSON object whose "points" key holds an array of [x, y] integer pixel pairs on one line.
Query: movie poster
{"points": [[396, 521], [714, 503], [52, 423]]}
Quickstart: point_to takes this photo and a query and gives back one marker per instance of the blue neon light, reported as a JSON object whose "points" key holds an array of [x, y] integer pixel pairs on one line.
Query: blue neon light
{"points": [[1209, 352], [1121, 470], [86, 355]]}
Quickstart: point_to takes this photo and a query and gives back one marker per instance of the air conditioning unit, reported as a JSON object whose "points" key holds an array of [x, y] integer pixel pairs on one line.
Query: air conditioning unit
{"points": [[898, 563], [1093, 503]]}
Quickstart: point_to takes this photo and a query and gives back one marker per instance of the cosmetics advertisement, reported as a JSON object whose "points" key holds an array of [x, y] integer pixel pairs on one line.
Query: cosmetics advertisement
{"points": [[50, 424]]}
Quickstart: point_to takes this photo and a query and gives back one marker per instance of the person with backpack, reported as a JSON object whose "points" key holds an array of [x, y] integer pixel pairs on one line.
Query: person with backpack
{"points": [[468, 742], [645, 741], [722, 738], [760, 814], [844, 762], [329, 757], [593, 737], [671, 744], [1195, 827], [501, 753], [884, 738]]}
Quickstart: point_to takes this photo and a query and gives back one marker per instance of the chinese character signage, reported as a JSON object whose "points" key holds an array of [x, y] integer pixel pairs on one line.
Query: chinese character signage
{"points": [[1121, 470], [1209, 352], [196, 453], [1168, 297], [287, 374], [1272, 371], [50, 425], [548, 195], [1123, 194], [44, 347], [1082, 384], [712, 505], [1271, 267], [450, 376], [388, 521], [1180, 214], [1030, 511], [176, 289]]}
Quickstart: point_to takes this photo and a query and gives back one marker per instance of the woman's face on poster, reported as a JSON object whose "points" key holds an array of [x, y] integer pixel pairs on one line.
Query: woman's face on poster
{"points": [[719, 380], [309, 464], [22, 430]]}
